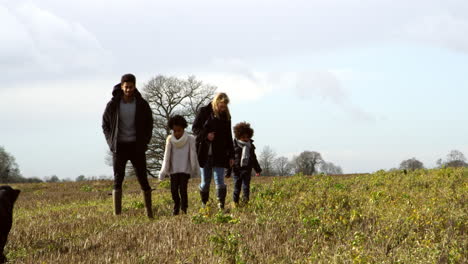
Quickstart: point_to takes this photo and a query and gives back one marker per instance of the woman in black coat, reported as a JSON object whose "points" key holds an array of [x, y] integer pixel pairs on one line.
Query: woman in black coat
{"points": [[212, 127]]}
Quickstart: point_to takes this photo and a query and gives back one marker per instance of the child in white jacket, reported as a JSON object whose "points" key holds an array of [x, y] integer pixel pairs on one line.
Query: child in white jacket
{"points": [[180, 161]]}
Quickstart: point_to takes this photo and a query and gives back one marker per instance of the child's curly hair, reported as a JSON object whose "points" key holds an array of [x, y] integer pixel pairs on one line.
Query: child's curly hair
{"points": [[177, 120], [243, 129]]}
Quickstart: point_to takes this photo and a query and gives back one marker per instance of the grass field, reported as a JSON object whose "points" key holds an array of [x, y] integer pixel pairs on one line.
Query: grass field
{"points": [[385, 217]]}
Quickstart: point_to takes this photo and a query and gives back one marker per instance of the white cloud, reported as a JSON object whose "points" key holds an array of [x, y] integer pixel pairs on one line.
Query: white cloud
{"points": [[244, 84], [38, 42], [237, 86], [54, 36], [57, 100], [237, 79], [444, 30], [17, 48], [328, 86], [324, 84]]}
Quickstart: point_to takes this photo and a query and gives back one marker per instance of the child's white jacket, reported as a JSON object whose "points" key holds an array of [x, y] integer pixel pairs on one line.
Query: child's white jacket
{"points": [[166, 164]]}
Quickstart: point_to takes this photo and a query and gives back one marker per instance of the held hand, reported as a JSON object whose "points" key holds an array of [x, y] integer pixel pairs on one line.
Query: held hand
{"points": [[211, 136], [231, 163], [257, 174]]}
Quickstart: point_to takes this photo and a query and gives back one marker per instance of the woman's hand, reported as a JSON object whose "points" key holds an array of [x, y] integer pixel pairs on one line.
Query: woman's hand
{"points": [[210, 136]]}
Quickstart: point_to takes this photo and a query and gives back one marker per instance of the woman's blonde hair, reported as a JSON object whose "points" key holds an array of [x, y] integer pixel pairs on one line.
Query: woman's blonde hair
{"points": [[220, 98]]}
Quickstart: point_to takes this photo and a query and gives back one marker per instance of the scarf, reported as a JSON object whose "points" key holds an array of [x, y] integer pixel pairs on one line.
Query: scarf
{"points": [[246, 146], [179, 143]]}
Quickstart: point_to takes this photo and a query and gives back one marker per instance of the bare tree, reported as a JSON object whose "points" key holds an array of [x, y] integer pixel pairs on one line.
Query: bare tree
{"points": [[168, 96], [80, 178], [9, 169], [330, 168], [266, 159], [201, 95], [283, 166], [411, 164], [455, 155], [108, 160], [52, 178], [456, 159], [307, 162]]}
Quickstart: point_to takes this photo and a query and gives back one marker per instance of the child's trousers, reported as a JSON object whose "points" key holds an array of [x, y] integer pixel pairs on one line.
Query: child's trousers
{"points": [[242, 181], [179, 183]]}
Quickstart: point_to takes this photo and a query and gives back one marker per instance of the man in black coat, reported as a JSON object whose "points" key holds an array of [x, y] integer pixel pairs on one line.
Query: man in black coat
{"points": [[127, 124], [8, 197]]}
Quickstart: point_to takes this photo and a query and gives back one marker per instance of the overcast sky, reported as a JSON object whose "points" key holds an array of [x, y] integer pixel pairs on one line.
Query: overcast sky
{"points": [[366, 83]]}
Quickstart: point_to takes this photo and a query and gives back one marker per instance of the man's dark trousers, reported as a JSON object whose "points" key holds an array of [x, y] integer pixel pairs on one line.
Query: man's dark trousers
{"points": [[130, 152]]}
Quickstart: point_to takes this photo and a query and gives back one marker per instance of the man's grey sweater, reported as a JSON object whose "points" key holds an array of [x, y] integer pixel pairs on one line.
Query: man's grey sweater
{"points": [[127, 131]]}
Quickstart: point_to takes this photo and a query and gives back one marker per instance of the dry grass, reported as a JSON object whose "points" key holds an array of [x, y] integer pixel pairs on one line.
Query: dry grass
{"points": [[379, 218]]}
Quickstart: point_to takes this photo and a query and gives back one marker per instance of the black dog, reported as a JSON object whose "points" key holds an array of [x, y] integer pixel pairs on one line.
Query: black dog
{"points": [[8, 197]]}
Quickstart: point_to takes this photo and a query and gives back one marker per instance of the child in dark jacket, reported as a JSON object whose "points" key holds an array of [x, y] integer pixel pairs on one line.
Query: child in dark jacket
{"points": [[245, 160]]}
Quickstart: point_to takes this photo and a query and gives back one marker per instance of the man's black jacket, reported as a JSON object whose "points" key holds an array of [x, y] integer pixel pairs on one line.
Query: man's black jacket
{"points": [[143, 120]]}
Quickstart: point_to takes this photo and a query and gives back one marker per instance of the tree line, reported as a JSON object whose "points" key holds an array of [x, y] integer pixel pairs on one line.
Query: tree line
{"points": [[307, 163], [9, 169], [455, 158], [169, 96]]}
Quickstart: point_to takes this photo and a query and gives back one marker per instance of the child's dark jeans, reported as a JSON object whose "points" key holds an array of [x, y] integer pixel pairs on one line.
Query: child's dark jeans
{"points": [[179, 183], [242, 180]]}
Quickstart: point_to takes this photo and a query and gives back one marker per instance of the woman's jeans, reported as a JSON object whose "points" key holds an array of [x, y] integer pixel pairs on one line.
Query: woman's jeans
{"points": [[208, 172]]}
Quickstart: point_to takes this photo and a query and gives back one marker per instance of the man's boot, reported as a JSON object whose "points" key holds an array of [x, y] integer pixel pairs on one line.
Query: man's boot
{"points": [[117, 197], [221, 193], [148, 203]]}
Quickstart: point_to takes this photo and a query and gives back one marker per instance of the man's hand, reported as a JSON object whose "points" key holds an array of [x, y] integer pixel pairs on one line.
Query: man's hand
{"points": [[211, 136], [231, 162]]}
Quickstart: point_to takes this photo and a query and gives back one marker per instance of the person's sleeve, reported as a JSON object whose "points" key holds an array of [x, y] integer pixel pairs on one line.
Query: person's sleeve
{"points": [[167, 156], [194, 158], [256, 164], [106, 123], [197, 127], [149, 123], [229, 139]]}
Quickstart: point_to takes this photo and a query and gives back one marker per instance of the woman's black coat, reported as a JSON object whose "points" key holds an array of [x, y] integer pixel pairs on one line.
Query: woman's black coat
{"points": [[222, 148]]}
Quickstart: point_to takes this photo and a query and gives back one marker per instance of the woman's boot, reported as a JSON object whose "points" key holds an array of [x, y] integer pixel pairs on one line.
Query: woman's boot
{"points": [[204, 198], [221, 193]]}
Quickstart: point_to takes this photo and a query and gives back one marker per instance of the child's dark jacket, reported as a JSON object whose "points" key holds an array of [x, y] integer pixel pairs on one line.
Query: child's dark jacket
{"points": [[253, 162]]}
